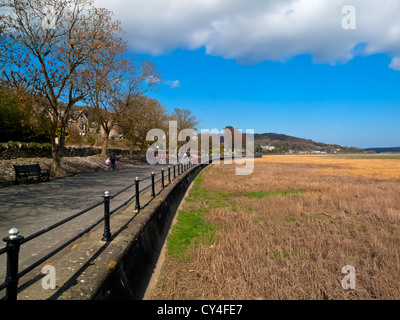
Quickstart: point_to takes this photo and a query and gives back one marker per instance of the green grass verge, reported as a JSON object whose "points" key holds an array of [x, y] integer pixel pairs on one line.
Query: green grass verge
{"points": [[190, 227]]}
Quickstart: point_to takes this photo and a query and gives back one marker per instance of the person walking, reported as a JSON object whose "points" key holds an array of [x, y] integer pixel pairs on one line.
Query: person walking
{"points": [[113, 159]]}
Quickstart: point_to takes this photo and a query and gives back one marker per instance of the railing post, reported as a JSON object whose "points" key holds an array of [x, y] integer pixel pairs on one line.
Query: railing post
{"points": [[162, 178], [107, 232], [13, 245], [174, 173], [179, 169], [137, 206], [169, 174], [153, 192]]}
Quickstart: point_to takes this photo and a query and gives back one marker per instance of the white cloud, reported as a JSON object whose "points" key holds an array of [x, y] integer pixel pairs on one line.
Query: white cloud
{"points": [[173, 84], [395, 64], [252, 31]]}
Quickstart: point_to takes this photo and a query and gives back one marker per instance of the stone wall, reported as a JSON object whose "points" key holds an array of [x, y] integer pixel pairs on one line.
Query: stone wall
{"points": [[10, 151], [16, 150]]}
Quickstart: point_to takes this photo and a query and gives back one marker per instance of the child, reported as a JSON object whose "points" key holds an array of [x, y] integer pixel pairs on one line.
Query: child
{"points": [[107, 163]]}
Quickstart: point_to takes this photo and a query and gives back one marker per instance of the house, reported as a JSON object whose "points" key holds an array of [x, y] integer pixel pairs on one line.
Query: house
{"points": [[116, 133], [77, 120], [268, 148]]}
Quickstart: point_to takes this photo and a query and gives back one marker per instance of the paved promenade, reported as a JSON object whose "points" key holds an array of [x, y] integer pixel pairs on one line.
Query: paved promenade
{"points": [[35, 206]]}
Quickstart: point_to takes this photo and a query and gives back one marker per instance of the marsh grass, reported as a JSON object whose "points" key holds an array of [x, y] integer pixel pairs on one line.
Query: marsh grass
{"points": [[263, 194], [286, 231]]}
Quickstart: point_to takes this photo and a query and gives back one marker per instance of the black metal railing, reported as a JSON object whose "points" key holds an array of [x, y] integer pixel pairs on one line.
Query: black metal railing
{"points": [[14, 240]]}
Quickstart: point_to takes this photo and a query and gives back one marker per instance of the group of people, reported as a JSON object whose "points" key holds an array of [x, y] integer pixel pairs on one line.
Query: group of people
{"points": [[112, 161]]}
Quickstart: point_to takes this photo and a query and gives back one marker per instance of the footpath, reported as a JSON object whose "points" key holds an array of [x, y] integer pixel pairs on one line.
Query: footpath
{"points": [[121, 268], [34, 206], [79, 269]]}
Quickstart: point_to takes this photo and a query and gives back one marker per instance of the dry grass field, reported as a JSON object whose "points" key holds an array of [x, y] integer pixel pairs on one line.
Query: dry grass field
{"points": [[286, 231]]}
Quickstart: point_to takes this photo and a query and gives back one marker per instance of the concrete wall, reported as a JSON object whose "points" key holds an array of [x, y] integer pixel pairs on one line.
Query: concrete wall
{"points": [[130, 277]]}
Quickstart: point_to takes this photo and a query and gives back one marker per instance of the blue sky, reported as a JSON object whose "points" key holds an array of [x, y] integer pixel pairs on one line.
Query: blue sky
{"points": [[275, 66], [354, 104]]}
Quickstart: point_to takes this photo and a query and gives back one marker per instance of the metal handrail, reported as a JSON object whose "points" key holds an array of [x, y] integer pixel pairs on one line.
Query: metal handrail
{"points": [[39, 233], [14, 241]]}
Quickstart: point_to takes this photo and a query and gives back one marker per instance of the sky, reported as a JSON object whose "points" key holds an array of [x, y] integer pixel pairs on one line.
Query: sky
{"points": [[314, 69]]}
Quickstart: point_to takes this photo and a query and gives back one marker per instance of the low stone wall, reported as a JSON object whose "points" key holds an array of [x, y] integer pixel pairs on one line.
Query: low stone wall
{"points": [[16, 150], [10, 151]]}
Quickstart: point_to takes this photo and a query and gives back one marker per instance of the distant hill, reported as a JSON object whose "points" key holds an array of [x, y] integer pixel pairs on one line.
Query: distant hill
{"points": [[281, 143], [381, 150]]}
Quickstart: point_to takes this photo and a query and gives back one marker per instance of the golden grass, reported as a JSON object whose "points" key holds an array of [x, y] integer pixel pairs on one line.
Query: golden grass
{"points": [[370, 166], [293, 246]]}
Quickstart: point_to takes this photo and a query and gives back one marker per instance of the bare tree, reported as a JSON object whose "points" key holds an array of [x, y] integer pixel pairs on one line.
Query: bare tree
{"points": [[58, 40], [3, 42], [116, 84], [143, 114], [185, 119]]}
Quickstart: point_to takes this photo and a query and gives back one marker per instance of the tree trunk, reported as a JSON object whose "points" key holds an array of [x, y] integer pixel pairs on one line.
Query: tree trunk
{"points": [[56, 151], [56, 164], [105, 147], [107, 131]]}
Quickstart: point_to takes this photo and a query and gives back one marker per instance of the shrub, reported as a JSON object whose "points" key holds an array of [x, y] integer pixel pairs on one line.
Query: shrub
{"points": [[90, 141]]}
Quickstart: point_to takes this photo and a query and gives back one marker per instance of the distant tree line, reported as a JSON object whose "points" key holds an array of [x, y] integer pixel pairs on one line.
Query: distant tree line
{"points": [[284, 144]]}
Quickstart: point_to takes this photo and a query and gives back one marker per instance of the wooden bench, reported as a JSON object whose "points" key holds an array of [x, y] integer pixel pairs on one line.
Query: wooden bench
{"points": [[31, 170]]}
